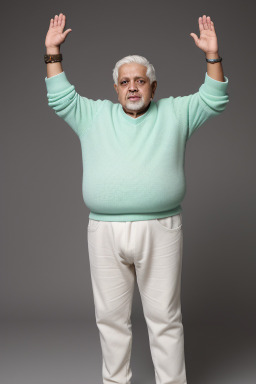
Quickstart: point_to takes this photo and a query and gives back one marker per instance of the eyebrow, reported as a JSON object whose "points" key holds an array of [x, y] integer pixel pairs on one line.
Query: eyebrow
{"points": [[136, 77]]}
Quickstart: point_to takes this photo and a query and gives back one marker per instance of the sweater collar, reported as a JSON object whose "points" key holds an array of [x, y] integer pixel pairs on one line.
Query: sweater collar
{"points": [[139, 119]]}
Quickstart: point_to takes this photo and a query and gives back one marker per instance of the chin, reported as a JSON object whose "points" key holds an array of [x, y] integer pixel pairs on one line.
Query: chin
{"points": [[135, 106]]}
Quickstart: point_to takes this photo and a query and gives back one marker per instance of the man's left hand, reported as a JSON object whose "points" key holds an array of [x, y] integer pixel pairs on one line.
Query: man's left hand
{"points": [[208, 39]]}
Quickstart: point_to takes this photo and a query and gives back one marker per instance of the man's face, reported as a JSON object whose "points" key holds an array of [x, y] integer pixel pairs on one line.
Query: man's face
{"points": [[134, 89]]}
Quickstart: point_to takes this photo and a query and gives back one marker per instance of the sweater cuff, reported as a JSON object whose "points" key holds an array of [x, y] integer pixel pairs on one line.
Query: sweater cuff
{"points": [[215, 87], [57, 83]]}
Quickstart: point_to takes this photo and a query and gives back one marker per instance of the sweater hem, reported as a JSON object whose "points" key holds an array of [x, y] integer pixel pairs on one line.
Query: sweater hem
{"points": [[134, 216]]}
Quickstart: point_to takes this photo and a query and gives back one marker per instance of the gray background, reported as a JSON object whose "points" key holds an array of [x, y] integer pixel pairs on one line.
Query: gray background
{"points": [[48, 329]]}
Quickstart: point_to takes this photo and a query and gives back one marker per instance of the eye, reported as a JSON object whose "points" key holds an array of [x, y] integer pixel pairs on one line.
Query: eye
{"points": [[141, 81], [122, 82]]}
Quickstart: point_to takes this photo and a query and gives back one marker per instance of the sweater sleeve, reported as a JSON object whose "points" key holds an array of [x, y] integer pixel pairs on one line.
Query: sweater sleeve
{"points": [[193, 110], [77, 111]]}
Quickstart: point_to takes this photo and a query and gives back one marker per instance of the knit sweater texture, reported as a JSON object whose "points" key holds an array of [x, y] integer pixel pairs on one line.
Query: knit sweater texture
{"points": [[133, 168]]}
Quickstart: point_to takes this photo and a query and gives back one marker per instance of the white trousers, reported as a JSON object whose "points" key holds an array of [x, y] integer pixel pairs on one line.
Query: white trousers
{"points": [[151, 252]]}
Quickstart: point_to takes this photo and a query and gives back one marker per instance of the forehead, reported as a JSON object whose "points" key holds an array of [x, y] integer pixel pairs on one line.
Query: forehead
{"points": [[132, 70]]}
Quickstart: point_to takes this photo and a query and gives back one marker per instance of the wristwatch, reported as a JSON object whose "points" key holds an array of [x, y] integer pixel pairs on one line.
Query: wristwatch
{"points": [[52, 58], [212, 61]]}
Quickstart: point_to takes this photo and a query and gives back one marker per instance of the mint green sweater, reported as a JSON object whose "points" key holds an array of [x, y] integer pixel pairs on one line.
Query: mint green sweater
{"points": [[133, 169]]}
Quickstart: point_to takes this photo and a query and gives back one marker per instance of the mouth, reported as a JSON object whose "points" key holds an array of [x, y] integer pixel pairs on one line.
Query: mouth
{"points": [[134, 98]]}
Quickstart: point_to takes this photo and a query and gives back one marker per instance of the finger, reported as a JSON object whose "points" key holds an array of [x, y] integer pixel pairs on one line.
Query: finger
{"points": [[55, 21], [51, 23], [204, 22], [60, 19], [63, 21], [194, 37], [212, 26], [200, 21], [66, 32], [208, 19]]}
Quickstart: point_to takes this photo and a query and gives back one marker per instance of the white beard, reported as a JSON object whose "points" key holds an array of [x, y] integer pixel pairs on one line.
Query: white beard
{"points": [[135, 105]]}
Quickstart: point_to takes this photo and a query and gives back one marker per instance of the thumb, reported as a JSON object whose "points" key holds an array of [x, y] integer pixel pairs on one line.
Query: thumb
{"points": [[66, 32], [194, 37]]}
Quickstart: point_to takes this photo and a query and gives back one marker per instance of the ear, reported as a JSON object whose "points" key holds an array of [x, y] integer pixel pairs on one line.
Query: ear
{"points": [[115, 86], [153, 85]]}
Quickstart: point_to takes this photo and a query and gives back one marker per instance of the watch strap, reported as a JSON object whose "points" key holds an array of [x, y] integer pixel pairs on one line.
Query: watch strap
{"points": [[53, 58]]}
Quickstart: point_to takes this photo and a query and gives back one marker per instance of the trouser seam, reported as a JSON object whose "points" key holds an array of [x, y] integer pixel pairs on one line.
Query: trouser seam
{"points": [[130, 342]]}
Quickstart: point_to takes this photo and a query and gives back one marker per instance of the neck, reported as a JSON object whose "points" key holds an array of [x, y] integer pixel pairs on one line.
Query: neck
{"points": [[136, 114]]}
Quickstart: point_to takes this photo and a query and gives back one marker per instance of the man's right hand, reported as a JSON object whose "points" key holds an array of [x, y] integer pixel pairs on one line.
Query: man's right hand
{"points": [[55, 35]]}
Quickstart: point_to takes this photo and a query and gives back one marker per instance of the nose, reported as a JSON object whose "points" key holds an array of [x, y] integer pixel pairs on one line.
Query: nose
{"points": [[133, 86]]}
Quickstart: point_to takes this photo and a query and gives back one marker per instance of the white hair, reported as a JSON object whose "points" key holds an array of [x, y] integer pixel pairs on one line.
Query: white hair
{"points": [[135, 59]]}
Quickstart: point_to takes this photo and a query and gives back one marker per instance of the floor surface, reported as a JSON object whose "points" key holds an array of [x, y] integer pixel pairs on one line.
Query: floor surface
{"points": [[53, 352]]}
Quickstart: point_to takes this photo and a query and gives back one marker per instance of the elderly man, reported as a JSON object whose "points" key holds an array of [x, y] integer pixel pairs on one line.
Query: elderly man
{"points": [[133, 184]]}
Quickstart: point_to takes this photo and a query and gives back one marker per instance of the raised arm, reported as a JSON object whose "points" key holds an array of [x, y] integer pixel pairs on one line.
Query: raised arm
{"points": [[54, 38], [212, 98], [209, 45], [77, 111]]}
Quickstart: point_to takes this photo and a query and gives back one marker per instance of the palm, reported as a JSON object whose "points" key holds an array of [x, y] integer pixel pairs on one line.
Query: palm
{"points": [[208, 39], [55, 35]]}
